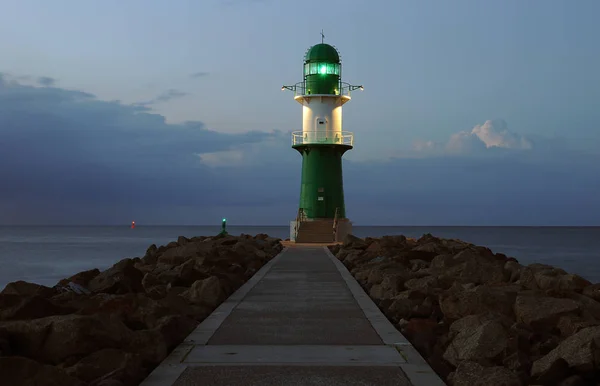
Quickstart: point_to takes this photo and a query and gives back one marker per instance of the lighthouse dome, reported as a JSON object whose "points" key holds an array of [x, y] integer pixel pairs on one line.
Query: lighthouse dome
{"points": [[322, 53]]}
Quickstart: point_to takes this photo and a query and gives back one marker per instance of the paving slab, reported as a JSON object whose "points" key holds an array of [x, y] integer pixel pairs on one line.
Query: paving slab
{"points": [[292, 376], [302, 319]]}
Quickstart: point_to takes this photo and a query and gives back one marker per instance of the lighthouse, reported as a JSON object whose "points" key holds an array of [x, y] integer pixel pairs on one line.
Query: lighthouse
{"points": [[321, 216]]}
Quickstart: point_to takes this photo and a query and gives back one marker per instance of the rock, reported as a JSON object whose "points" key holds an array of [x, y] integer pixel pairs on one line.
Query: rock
{"points": [[183, 275], [468, 267], [151, 256], [179, 254], [482, 341], [473, 374], [418, 264], [422, 333], [592, 291], [519, 363], [121, 278], [150, 280], [175, 328], [207, 292], [574, 380], [580, 352], [402, 306], [33, 307], [136, 311], [103, 362], [424, 284], [459, 301], [353, 242], [150, 345], [5, 349], [571, 324], [24, 288], [389, 287], [108, 382], [556, 279], [512, 271], [53, 339], [589, 307], [17, 371], [542, 311], [73, 288], [80, 279], [393, 242]]}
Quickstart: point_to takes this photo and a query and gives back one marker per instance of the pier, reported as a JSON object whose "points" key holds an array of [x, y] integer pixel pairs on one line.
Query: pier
{"points": [[302, 319]]}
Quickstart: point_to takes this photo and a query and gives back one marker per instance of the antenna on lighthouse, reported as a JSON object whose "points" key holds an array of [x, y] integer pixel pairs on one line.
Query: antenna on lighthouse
{"points": [[322, 37]]}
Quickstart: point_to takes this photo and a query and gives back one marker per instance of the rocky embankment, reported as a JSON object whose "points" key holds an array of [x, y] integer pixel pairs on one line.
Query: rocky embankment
{"points": [[479, 318], [112, 328]]}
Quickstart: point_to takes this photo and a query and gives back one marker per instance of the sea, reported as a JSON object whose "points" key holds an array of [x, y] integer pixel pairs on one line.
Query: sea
{"points": [[46, 255]]}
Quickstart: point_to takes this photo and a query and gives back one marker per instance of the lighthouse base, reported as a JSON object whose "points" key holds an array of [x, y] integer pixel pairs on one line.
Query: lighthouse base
{"points": [[319, 231]]}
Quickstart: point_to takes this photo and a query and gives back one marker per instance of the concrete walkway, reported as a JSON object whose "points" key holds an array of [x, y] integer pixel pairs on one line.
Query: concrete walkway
{"points": [[301, 320]]}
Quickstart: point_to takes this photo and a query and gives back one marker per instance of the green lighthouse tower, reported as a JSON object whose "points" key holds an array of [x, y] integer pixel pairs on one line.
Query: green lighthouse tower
{"points": [[322, 143]]}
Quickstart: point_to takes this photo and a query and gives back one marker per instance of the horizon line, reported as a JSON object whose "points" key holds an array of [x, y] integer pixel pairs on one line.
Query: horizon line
{"points": [[287, 225]]}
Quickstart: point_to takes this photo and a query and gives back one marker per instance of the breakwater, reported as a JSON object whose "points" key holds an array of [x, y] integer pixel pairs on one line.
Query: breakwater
{"points": [[481, 318], [113, 327], [478, 317]]}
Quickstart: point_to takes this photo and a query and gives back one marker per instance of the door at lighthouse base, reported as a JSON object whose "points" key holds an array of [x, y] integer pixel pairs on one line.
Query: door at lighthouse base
{"points": [[321, 205]]}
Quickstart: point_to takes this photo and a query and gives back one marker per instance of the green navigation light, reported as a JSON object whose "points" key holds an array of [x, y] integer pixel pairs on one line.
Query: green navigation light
{"points": [[223, 227], [323, 70]]}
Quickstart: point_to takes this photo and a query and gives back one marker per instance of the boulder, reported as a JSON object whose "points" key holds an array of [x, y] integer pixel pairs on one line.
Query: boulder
{"points": [[5, 349], [474, 374], [477, 340], [424, 284], [81, 279], [418, 264], [540, 311], [389, 287], [468, 266], [404, 305], [121, 278], [32, 307], [24, 288], [207, 292], [179, 254], [136, 311], [460, 300], [353, 242], [579, 352], [17, 371], [592, 291], [151, 255], [570, 324], [149, 345], [174, 329], [183, 275], [54, 339], [105, 361], [393, 242]]}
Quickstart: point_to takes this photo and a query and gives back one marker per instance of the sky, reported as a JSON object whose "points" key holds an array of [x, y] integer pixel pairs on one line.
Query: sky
{"points": [[171, 112]]}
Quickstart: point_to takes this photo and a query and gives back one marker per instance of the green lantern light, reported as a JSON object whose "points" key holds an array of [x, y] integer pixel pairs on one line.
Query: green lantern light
{"points": [[323, 70], [223, 227]]}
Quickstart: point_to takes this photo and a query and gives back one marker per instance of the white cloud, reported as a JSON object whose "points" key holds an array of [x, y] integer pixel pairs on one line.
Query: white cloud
{"points": [[496, 134], [492, 134]]}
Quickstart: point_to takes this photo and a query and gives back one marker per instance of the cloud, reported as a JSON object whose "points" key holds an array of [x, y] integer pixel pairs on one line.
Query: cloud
{"points": [[492, 135], [199, 74], [70, 158], [46, 81], [68, 150], [164, 97]]}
